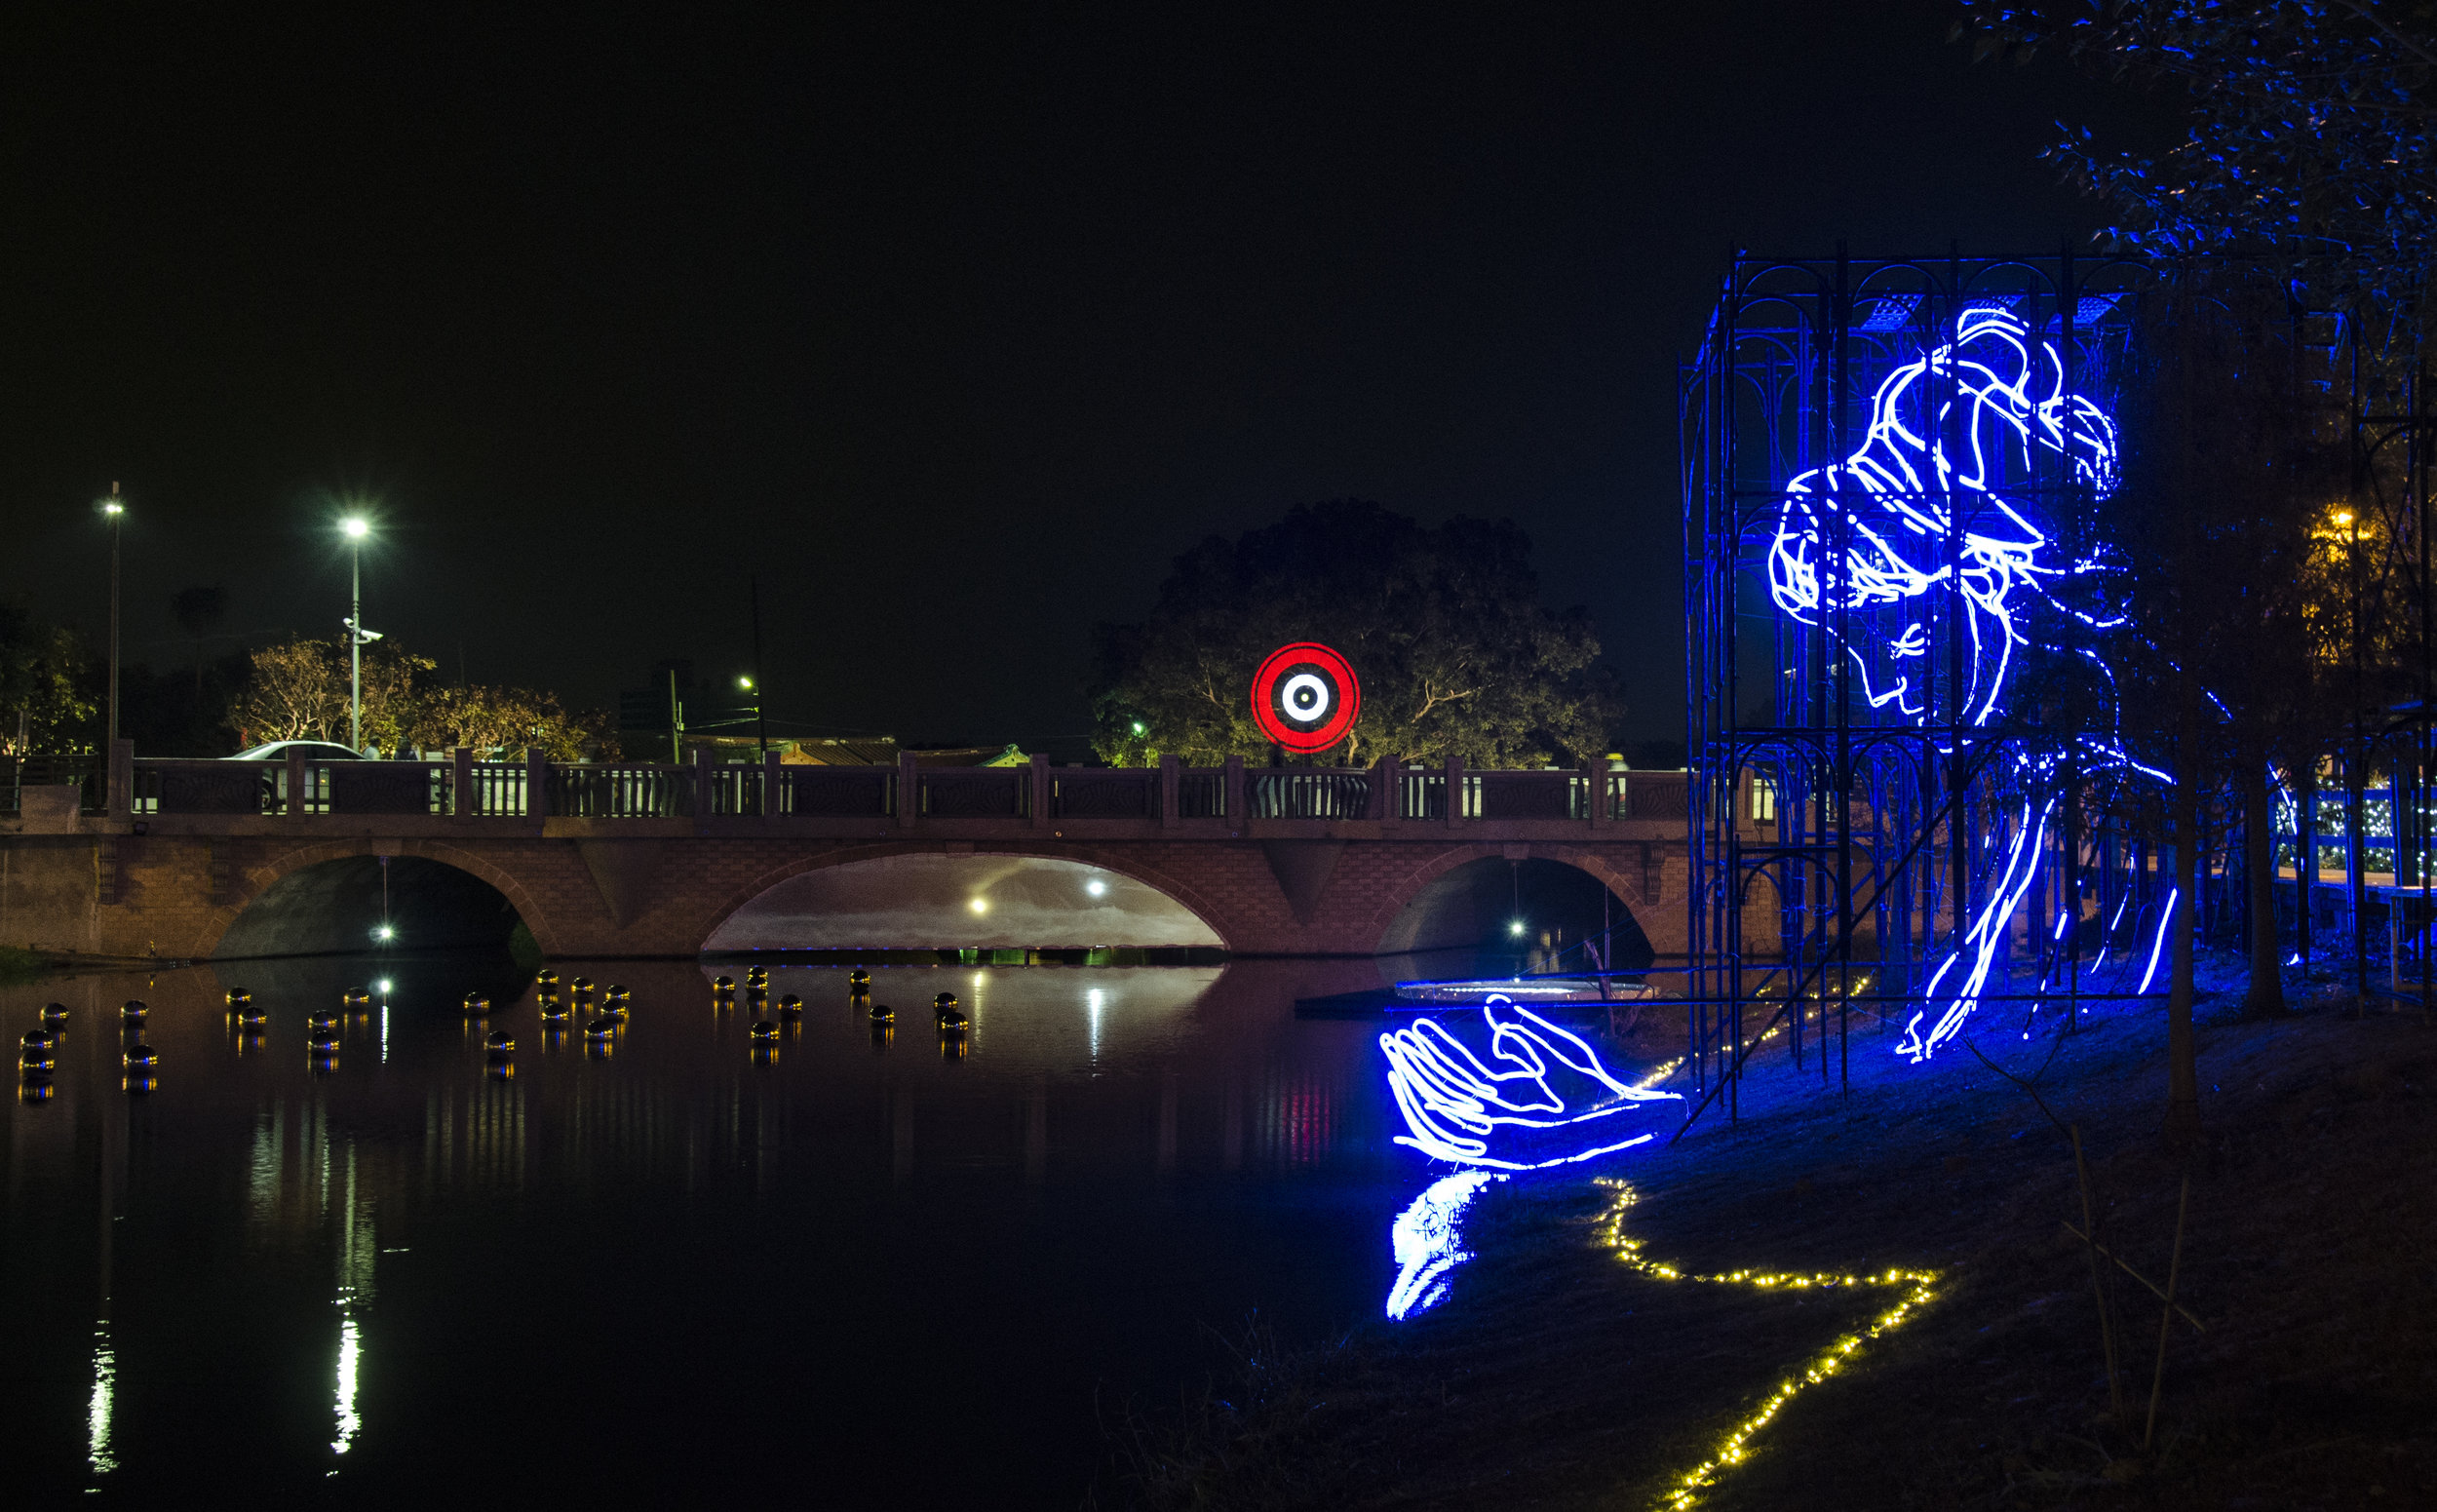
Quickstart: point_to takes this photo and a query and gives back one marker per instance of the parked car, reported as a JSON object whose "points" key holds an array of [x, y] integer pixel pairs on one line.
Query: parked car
{"points": [[316, 749]]}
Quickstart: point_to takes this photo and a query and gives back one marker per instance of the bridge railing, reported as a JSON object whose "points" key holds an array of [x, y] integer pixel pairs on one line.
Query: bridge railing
{"points": [[1113, 793], [83, 771], [975, 791], [535, 787], [620, 790], [838, 792], [1293, 794]]}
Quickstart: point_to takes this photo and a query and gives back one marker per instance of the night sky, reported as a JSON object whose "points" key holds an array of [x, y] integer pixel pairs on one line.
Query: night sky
{"points": [[953, 325]]}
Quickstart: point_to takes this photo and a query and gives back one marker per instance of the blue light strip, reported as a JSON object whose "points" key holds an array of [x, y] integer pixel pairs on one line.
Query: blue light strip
{"points": [[2171, 895]]}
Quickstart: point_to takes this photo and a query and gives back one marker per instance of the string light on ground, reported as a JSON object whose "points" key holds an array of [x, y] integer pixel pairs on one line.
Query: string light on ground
{"points": [[1916, 1286]]}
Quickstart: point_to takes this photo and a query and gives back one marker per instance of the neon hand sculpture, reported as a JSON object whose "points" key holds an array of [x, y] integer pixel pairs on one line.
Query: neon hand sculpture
{"points": [[1507, 1115]]}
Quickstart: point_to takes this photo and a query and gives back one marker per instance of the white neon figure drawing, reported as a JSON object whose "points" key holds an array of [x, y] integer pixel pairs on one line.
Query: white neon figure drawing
{"points": [[2007, 400], [1507, 1115], [1999, 400]]}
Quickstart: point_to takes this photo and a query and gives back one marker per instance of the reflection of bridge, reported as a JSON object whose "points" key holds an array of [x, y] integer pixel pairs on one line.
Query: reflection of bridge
{"points": [[648, 860]]}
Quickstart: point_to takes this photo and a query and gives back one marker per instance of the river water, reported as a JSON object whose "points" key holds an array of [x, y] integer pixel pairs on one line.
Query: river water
{"points": [[856, 1267]]}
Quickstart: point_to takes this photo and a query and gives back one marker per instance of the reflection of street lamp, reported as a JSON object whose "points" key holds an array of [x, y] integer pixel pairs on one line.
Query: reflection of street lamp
{"points": [[356, 528], [113, 511]]}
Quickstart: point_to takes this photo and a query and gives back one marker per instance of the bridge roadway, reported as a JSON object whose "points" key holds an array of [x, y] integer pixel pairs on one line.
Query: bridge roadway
{"points": [[159, 857]]}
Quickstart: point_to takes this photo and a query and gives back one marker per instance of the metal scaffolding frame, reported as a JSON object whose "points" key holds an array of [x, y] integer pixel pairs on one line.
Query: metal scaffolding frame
{"points": [[1847, 829]]}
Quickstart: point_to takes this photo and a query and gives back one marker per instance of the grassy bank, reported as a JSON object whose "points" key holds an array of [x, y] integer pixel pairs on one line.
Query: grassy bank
{"points": [[1558, 1375], [20, 966]]}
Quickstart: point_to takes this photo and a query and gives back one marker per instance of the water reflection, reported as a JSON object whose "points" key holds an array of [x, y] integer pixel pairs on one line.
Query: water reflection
{"points": [[350, 1341], [1427, 1243], [1110, 1168], [97, 1411]]}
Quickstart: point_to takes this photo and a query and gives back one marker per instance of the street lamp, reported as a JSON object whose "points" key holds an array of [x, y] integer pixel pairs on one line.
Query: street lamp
{"points": [[113, 509], [356, 528]]}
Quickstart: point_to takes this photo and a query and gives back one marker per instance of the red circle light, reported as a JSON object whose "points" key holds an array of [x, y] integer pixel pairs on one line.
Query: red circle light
{"points": [[1305, 697]]}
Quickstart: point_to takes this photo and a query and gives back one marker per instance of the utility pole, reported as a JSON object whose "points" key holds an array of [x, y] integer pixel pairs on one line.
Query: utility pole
{"points": [[356, 528], [113, 509], [676, 723], [761, 726]]}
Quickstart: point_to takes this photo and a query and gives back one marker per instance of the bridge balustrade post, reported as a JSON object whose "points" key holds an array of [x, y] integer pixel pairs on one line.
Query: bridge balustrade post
{"points": [[536, 783], [909, 792], [1595, 791], [1039, 815], [119, 792], [1383, 804], [300, 797], [706, 788], [463, 800], [1170, 783], [769, 784], [1454, 791], [1237, 819]]}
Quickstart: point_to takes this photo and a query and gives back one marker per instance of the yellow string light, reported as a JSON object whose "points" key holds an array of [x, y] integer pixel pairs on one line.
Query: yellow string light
{"points": [[1685, 1491]]}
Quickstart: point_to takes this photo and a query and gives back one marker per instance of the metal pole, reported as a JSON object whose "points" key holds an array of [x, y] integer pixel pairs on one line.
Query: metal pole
{"points": [[354, 648], [762, 728], [117, 512]]}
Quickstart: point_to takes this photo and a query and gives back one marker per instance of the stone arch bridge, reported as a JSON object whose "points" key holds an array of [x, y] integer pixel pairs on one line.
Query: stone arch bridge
{"points": [[161, 858]]}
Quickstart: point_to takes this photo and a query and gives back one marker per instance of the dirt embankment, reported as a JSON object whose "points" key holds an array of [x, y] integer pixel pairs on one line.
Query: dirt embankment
{"points": [[1556, 1376]]}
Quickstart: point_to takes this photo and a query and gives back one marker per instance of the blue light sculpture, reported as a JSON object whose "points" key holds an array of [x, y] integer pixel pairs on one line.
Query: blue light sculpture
{"points": [[1506, 1113], [1931, 507], [2002, 399]]}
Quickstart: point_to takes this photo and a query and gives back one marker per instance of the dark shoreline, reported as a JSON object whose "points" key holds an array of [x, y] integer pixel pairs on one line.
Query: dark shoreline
{"points": [[1555, 1378]]}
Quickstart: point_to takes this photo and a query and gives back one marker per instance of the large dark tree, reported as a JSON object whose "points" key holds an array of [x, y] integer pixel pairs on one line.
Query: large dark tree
{"points": [[2261, 532], [1443, 624], [2305, 127]]}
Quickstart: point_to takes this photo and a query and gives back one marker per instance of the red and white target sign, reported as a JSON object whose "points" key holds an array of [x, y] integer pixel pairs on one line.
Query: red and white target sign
{"points": [[1304, 697]]}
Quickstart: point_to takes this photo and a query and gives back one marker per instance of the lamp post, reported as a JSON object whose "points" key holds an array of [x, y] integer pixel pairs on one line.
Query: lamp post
{"points": [[113, 509], [748, 685], [356, 528]]}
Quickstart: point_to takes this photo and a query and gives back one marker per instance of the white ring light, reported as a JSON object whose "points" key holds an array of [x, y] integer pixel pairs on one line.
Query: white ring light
{"points": [[1306, 697]]}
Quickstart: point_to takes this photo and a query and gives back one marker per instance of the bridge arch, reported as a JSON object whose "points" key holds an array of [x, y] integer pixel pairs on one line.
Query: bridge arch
{"points": [[922, 897], [326, 898], [1445, 903]]}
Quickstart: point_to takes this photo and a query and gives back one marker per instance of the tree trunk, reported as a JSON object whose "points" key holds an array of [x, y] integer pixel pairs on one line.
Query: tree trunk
{"points": [[2266, 994]]}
